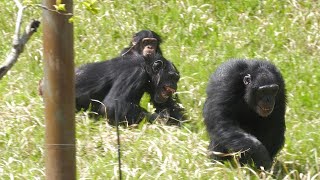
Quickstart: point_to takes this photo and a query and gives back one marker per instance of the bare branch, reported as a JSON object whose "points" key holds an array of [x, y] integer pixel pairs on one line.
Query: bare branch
{"points": [[19, 5], [53, 10], [18, 24], [18, 44], [20, 41]]}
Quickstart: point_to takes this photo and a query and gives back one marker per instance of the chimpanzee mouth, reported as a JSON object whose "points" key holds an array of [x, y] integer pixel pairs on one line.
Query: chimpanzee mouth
{"points": [[149, 52], [167, 92], [265, 111]]}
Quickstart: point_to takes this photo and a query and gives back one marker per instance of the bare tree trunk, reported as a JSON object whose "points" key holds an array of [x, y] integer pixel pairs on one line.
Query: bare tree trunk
{"points": [[58, 92]]}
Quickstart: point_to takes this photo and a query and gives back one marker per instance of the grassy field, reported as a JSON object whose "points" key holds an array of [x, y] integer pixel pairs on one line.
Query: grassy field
{"points": [[198, 36]]}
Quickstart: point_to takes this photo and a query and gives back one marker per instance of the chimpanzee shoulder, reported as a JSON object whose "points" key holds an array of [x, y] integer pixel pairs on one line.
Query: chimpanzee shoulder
{"points": [[101, 73]]}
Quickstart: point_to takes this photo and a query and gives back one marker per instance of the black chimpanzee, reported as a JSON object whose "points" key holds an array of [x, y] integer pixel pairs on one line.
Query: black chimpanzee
{"points": [[245, 111], [143, 43], [124, 80]]}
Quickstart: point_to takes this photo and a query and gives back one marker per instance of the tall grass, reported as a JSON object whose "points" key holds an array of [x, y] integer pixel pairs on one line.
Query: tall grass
{"points": [[198, 36]]}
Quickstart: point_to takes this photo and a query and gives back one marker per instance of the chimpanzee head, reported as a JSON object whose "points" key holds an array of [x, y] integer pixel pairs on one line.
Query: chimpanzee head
{"points": [[146, 43], [261, 89], [164, 78]]}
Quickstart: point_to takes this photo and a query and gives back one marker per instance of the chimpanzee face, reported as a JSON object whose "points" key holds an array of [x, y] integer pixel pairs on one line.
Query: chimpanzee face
{"points": [[164, 77], [261, 93], [146, 43], [149, 46]]}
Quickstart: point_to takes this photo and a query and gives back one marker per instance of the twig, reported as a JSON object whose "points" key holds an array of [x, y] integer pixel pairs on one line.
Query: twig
{"points": [[53, 10], [18, 22], [18, 41]]}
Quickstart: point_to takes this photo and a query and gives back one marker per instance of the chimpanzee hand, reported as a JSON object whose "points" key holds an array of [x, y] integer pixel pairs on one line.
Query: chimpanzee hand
{"points": [[258, 155], [163, 116], [261, 158]]}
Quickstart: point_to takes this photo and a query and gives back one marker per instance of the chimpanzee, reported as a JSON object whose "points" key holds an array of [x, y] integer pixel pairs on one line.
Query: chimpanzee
{"points": [[121, 82], [245, 112], [145, 43]]}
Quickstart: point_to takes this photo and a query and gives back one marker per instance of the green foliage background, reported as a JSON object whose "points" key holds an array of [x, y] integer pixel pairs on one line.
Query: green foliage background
{"points": [[198, 36]]}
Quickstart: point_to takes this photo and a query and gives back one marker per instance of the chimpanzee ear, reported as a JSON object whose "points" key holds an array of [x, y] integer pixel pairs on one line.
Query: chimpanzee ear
{"points": [[247, 79], [134, 40], [157, 65]]}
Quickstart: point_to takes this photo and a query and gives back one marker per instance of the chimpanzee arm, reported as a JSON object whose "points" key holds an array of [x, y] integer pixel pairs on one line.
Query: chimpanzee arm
{"points": [[227, 136], [125, 95], [274, 139]]}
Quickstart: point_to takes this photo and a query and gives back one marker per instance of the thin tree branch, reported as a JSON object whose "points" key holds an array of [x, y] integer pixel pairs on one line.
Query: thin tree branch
{"points": [[18, 41], [18, 24], [53, 10]]}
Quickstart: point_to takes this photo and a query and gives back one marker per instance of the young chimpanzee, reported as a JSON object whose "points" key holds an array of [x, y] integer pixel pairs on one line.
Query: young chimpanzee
{"points": [[119, 84], [245, 111], [143, 43]]}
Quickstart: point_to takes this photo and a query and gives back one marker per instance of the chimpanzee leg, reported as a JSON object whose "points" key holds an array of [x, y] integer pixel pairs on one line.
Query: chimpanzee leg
{"points": [[127, 113], [82, 102]]}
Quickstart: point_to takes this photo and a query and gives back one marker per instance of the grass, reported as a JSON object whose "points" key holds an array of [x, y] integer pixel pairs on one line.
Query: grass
{"points": [[198, 36]]}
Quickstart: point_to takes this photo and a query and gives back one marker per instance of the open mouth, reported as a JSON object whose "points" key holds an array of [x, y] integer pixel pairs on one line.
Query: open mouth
{"points": [[167, 92], [265, 111]]}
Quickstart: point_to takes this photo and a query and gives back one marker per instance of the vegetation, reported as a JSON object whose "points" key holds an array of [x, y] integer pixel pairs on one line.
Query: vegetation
{"points": [[198, 36]]}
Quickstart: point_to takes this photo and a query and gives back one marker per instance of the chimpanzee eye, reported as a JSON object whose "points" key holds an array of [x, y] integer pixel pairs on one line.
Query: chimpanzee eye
{"points": [[157, 65], [247, 79], [149, 41], [144, 43], [153, 43]]}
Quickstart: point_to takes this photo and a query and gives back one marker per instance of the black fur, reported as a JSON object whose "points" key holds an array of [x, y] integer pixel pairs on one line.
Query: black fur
{"points": [[231, 118], [125, 80]]}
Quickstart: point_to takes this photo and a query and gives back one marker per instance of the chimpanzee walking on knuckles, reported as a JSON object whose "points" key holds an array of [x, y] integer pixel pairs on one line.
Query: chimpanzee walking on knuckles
{"points": [[245, 112]]}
